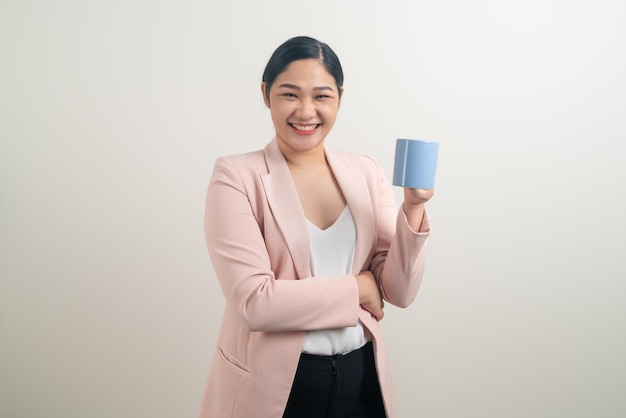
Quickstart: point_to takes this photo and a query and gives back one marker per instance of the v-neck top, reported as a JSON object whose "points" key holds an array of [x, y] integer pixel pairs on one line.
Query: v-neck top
{"points": [[332, 254]]}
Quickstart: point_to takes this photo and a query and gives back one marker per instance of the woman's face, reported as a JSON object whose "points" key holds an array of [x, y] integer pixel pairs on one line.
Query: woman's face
{"points": [[303, 101]]}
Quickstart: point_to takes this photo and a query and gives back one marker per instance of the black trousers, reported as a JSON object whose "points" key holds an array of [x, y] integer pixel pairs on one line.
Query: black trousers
{"points": [[343, 386]]}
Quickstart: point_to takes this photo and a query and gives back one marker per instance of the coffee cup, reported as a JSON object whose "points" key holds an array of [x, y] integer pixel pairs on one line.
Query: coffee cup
{"points": [[415, 163]]}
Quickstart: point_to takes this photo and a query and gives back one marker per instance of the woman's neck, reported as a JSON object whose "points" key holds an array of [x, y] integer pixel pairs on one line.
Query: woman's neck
{"points": [[302, 160]]}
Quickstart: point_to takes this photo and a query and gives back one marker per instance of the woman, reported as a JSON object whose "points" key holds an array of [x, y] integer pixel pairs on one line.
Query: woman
{"points": [[305, 244]]}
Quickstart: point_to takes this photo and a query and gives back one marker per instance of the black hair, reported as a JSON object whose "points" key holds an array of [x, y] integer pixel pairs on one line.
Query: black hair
{"points": [[298, 48]]}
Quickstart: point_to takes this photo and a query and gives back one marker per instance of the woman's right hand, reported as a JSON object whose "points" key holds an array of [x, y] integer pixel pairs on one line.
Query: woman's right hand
{"points": [[369, 294]]}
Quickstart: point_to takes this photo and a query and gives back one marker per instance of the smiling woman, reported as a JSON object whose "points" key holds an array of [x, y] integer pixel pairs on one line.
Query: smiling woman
{"points": [[306, 243], [303, 102], [302, 87]]}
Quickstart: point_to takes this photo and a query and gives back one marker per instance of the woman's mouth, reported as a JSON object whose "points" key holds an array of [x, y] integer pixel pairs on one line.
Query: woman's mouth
{"points": [[308, 129]]}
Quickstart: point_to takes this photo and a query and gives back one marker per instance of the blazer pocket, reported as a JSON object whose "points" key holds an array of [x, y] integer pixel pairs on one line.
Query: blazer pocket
{"points": [[233, 362]]}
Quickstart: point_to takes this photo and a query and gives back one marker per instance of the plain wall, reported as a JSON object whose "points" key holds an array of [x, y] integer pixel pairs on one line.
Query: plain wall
{"points": [[112, 113]]}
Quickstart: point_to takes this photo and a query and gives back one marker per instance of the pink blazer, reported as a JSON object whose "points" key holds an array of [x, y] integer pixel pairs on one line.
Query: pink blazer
{"points": [[258, 242]]}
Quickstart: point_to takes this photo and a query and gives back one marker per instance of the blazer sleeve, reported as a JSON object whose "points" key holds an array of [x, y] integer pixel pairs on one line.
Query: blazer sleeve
{"points": [[242, 264], [400, 253]]}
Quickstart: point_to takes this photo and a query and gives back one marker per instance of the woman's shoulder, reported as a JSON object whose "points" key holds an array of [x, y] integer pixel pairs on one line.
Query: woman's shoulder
{"points": [[240, 166], [242, 159], [245, 157]]}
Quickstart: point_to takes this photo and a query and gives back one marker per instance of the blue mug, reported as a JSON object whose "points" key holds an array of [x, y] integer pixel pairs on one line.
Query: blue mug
{"points": [[415, 163]]}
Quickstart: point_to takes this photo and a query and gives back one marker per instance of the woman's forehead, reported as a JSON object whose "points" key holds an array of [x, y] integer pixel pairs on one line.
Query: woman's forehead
{"points": [[306, 72]]}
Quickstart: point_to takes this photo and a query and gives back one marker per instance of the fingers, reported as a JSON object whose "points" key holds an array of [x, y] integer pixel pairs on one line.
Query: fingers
{"points": [[375, 308], [418, 196], [369, 295], [379, 315]]}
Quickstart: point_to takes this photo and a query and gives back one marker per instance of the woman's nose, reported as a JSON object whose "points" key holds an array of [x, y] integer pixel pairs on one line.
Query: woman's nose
{"points": [[306, 109]]}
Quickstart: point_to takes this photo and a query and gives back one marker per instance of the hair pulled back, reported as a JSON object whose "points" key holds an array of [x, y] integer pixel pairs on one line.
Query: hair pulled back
{"points": [[298, 48]]}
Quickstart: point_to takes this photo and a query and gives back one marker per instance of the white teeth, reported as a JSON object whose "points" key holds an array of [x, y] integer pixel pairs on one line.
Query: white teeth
{"points": [[304, 127]]}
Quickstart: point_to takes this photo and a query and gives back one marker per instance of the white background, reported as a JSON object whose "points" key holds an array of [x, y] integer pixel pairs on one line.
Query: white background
{"points": [[112, 113]]}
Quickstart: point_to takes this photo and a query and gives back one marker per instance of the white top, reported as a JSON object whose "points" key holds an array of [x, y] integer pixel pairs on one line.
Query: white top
{"points": [[332, 254]]}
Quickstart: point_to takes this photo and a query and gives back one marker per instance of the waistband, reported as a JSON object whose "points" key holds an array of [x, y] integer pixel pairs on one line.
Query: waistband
{"points": [[339, 361]]}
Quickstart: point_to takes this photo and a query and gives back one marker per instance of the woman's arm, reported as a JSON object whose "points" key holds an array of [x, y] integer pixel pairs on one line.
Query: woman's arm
{"points": [[413, 205], [241, 261], [399, 259]]}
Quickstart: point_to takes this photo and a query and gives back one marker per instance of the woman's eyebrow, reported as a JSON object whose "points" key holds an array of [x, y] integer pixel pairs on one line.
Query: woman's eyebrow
{"points": [[293, 86], [324, 88]]}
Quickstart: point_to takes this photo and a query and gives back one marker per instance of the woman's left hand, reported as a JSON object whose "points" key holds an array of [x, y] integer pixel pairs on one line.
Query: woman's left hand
{"points": [[370, 298], [417, 196], [414, 200]]}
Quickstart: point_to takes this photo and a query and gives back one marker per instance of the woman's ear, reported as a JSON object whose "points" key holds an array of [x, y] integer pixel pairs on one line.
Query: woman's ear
{"points": [[265, 95], [340, 96]]}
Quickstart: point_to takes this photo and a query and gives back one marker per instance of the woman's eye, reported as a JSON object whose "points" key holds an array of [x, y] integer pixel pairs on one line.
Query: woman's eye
{"points": [[289, 95], [322, 96]]}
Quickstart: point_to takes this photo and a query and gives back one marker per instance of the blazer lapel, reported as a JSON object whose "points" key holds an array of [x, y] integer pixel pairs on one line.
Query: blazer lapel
{"points": [[287, 211], [288, 214], [356, 191]]}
